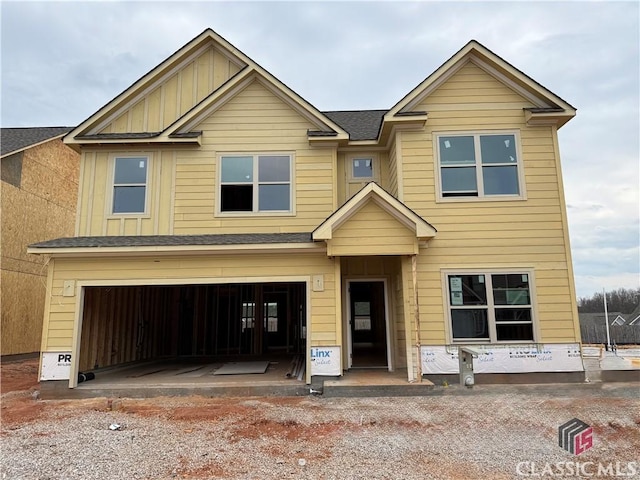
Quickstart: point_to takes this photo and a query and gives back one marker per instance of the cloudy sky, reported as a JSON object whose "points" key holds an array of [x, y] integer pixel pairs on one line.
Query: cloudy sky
{"points": [[61, 61]]}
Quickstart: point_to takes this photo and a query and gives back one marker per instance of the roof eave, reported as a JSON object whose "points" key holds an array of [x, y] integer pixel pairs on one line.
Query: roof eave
{"points": [[78, 143], [548, 118], [168, 250], [416, 121]]}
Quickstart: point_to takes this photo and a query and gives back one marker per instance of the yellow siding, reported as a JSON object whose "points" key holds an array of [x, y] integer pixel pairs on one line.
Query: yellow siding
{"points": [[196, 269], [386, 268], [95, 216], [177, 92], [372, 231], [471, 84], [486, 234], [254, 121], [393, 169]]}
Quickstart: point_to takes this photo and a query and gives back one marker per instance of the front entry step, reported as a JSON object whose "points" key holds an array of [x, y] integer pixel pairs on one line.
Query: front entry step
{"points": [[376, 383]]}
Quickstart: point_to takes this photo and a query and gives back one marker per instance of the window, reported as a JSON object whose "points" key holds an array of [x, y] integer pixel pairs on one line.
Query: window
{"points": [[362, 168], [494, 307], [255, 183], [130, 184], [479, 165]]}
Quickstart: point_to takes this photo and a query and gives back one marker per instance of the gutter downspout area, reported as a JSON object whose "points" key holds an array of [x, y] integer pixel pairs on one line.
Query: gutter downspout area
{"points": [[416, 312]]}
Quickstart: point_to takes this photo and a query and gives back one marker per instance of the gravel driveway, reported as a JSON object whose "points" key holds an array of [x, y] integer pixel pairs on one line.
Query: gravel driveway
{"points": [[492, 432]]}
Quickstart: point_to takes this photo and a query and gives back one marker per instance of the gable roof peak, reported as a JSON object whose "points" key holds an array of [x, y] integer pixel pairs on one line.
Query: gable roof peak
{"points": [[496, 66]]}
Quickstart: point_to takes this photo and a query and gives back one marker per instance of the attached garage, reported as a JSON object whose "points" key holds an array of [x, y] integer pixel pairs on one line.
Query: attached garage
{"points": [[128, 324], [123, 303]]}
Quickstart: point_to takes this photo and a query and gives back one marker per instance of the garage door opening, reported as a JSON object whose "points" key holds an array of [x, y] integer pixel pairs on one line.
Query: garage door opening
{"points": [[122, 325]]}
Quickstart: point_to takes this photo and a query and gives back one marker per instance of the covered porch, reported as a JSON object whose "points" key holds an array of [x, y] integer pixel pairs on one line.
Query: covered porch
{"points": [[375, 239]]}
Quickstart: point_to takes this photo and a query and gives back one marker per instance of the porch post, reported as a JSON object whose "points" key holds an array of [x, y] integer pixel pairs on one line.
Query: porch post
{"points": [[416, 312], [408, 331]]}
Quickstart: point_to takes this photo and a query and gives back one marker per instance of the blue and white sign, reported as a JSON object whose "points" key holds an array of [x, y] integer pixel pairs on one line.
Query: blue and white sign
{"points": [[325, 361], [522, 358]]}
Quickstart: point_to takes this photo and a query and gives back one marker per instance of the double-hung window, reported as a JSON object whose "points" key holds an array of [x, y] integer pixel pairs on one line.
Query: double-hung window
{"points": [[255, 183], [491, 307], [479, 165], [130, 184]]}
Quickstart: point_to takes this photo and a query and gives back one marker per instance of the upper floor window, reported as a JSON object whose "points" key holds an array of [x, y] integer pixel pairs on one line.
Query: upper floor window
{"points": [[255, 183], [362, 168], [495, 307], [479, 165], [130, 184]]}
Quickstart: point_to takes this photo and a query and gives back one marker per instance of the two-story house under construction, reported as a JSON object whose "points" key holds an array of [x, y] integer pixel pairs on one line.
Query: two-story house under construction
{"points": [[222, 216]]}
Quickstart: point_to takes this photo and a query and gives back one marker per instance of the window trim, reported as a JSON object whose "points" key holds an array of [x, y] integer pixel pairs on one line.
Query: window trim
{"points": [[255, 183], [111, 186], [440, 198], [446, 299]]}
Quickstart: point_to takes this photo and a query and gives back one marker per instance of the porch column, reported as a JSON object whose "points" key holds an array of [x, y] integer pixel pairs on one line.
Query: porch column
{"points": [[407, 311]]}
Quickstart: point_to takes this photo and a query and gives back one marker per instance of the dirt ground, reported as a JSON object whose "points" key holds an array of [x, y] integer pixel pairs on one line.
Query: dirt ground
{"points": [[491, 432]]}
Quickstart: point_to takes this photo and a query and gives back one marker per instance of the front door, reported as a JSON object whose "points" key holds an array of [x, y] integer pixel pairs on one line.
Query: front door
{"points": [[367, 323]]}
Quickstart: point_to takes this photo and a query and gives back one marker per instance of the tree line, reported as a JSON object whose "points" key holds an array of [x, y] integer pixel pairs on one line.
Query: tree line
{"points": [[623, 300]]}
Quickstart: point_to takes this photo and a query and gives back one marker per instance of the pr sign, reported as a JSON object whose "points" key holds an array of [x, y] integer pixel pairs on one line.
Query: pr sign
{"points": [[56, 366]]}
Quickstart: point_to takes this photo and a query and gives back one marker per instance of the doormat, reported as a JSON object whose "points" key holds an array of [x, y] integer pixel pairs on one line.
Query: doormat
{"points": [[242, 368]]}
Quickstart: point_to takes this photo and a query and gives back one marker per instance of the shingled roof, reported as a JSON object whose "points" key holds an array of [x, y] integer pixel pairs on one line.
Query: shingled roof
{"points": [[359, 124], [175, 240], [16, 139]]}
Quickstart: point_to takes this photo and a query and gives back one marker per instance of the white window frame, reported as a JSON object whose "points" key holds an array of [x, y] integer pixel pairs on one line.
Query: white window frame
{"points": [[111, 185], [481, 197], [375, 165], [256, 183], [490, 306]]}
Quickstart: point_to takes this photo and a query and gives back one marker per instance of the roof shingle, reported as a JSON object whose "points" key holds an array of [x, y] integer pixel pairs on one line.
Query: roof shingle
{"points": [[15, 139], [175, 240], [360, 124]]}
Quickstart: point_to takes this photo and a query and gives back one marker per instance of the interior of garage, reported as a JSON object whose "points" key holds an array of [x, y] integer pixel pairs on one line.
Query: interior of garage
{"points": [[220, 322]]}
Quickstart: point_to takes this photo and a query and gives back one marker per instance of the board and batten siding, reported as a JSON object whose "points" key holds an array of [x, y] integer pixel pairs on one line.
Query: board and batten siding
{"points": [[96, 190], [182, 182], [60, 312], [177, 92], [528, 233], [372, 231]]}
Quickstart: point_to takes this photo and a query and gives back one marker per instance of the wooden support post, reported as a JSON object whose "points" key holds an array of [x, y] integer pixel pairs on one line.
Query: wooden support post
{"points": [[416, 311]]}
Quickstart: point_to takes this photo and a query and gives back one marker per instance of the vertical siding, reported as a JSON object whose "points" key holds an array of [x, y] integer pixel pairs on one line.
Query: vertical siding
{"points": [[177, 94], [95, 216]]}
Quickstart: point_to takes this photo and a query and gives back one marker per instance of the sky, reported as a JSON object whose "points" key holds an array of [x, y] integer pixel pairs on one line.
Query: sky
{"points": [[62, 61]]}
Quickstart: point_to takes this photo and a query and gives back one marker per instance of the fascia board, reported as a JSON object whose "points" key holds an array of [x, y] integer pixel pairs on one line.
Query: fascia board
{"points": [[372, 192], [178, 250], [177, 58], [491, 63], [212, 102]]}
